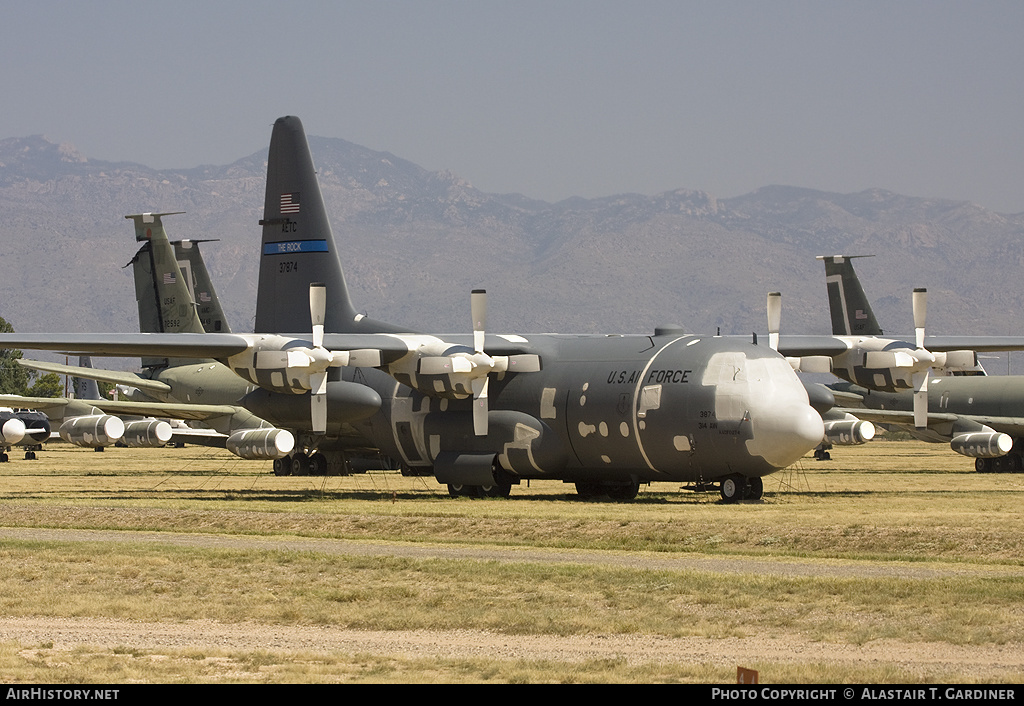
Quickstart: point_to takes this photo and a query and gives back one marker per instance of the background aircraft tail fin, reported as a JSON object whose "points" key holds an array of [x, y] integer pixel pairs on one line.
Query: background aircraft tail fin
{"points": [[200, 286], [162, 291], [86, 388], [298, 247], [849, 306]]}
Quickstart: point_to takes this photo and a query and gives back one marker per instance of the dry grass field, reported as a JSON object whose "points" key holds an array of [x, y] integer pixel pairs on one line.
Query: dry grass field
{"points": [[893, 563]]}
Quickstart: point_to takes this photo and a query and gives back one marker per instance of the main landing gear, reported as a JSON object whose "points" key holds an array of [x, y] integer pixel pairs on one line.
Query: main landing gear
{"points": [[1010, 463], [300, 464], [737, 487], [498, 490], [615, 490]]}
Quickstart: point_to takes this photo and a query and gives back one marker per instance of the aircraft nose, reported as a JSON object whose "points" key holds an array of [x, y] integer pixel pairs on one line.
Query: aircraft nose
{"points": [[785, 433]]}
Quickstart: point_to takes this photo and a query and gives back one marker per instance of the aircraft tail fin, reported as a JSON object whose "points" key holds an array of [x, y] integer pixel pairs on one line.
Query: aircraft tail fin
{"points": [[851, 312], [161, 290], [298, 247], [86, 388], [200, 285]]}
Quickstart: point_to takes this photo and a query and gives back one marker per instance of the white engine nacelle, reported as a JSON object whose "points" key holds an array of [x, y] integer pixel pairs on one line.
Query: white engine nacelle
{"points": [[256, 444], [982, 444], [147, 433], [849, 432], [92, 430], [12, 431]]}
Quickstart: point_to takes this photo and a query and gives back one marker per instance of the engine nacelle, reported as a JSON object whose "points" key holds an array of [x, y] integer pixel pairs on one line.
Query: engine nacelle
{"points": [[147, 433], [846, 432], [92, 430], [12, 430], [257, 444], [982, 444], [956, 360]]}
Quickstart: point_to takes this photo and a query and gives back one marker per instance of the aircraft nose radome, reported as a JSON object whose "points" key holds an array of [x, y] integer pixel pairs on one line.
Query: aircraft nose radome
{"points": [[789, 433]]}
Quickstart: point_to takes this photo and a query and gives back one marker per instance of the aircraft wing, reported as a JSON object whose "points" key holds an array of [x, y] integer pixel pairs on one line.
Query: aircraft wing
{"points": [[167, 410], [193, 345], [42, 404], [1014, 426], [805, 345], [112, 376], [808, 345], [130, 345], [973, 343]]}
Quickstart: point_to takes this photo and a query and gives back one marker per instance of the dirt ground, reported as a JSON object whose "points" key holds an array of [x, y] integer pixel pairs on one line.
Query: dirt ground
{"points": [[923, 659]]}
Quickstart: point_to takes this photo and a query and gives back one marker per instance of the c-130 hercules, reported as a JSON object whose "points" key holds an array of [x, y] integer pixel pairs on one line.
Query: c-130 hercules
{"points": [[478, 411]]}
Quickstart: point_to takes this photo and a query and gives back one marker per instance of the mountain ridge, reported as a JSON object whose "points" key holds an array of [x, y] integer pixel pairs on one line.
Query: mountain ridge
{"points": [[415, 242]]}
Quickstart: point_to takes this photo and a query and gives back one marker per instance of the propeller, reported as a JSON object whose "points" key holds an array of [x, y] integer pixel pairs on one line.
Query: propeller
{"points": [[919, 378], [478, 308], [476, 367], [805, 364], [310, 365], [918, 362]]}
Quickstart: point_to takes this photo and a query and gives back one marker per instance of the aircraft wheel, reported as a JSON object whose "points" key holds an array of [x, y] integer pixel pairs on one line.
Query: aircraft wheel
{"points": [[1013, 463], [625, 490], [588, 491], [4, 458], [30, 455], [318, 465], [300, 465], [733, 488], [464, 491], [498, 490], [282, 466], [982, 465], [755, 488]]}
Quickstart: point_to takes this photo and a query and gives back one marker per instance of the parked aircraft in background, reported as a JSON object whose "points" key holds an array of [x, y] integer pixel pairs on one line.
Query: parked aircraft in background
{"points": [[979, 416], [21, 426], [481, 412], [194, 390]]}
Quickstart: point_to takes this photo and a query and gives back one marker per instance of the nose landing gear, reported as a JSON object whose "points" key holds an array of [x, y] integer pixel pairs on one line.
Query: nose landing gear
{"points": [[737, 487]]}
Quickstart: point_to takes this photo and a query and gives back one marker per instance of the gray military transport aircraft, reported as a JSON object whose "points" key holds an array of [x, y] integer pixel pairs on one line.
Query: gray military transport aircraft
{"points": [[979, 416], [481, 411]]}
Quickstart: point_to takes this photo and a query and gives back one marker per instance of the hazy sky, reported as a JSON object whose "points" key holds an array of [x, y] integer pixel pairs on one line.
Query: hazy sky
{"points": [[550, 98]]}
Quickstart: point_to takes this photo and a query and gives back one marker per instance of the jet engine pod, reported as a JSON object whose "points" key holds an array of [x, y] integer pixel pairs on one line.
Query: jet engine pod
{"points": [[847, 432], [147, 433], [92, 430], [982, 444], [258, 444], [12, 430]]}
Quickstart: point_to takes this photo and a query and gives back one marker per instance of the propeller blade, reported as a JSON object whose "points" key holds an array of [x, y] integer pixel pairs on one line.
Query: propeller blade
{"points": [[480, 406], [920, 303], [920, 381], [318, 402], [478, 308], [317, 311], [774, 319], [318, 413]]}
